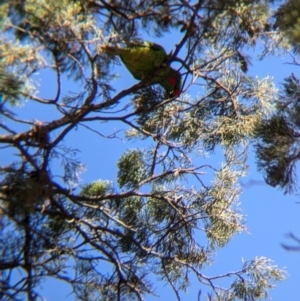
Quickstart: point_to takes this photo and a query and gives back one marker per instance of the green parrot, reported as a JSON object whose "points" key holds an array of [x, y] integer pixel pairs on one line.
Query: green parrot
{"points": [[147, 61]]}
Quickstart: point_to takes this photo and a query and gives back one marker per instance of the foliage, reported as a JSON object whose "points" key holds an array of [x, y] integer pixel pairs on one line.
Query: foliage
{"points": [[277, 144], [108, 240], [277, 135], [287, 21]]}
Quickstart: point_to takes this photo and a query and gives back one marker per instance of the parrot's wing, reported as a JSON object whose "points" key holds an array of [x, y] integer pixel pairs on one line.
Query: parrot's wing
{"points": [[146, 44], [143, 59], [151, 53], [154, 46]]}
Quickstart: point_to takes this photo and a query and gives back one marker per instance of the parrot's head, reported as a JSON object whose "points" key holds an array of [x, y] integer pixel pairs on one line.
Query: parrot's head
{"points": [[172, 83], [175, 82]]}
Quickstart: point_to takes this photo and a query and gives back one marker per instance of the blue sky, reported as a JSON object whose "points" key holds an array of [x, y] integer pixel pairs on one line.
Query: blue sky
{"points": [[270, 215]]}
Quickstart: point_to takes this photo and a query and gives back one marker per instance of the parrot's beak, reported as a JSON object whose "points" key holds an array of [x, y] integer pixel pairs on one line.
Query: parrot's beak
{"points": [[176, 92]]}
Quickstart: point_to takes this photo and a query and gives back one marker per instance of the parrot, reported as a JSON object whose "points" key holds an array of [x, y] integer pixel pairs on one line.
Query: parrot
{"points": [[148, 61]]}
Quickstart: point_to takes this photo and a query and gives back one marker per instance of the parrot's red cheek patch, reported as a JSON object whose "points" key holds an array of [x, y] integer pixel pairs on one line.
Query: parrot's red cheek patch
{"points": [[172, 81]]}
